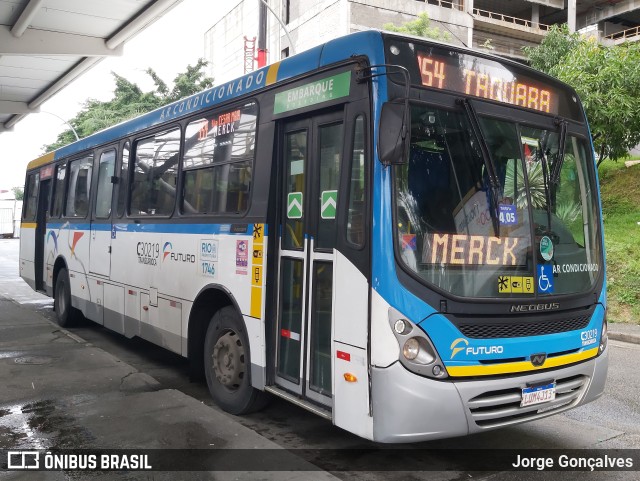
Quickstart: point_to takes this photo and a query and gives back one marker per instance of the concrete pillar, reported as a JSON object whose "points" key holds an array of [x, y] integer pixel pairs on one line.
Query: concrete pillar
{"points": [[571, 15], [469, 6], [469, 10], [602, 29], [535, 14]]}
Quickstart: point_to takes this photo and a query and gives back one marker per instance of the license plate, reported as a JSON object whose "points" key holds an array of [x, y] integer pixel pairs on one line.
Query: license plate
{"points": [[538, 394]]}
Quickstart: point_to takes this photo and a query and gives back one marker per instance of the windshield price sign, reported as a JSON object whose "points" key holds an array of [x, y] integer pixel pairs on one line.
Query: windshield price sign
{"points": [[508, 214]]}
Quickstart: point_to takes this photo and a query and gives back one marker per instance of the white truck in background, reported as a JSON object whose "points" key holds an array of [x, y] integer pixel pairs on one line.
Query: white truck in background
{"points": [[10, 217]]}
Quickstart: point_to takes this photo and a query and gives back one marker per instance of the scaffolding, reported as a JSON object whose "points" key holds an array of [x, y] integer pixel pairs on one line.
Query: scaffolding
{"points": [[249, 54]]}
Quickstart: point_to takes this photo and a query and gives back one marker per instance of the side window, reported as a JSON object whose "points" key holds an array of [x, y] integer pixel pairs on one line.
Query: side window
{"points": [[79, 187], [574, 199], [105, 187], [58, 190], [31, 204], [153, 190], [123, 181], [329, 156], [218, 162], [357, 194]]}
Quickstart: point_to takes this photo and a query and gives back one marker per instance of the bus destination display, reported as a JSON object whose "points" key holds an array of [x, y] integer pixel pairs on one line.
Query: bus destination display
{"points": [[462, 250], [486, 79], [221, 124]]}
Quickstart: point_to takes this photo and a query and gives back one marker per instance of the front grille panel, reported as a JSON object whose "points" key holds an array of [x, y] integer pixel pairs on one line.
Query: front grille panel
{"points": [[523, 329], [498, 408]]}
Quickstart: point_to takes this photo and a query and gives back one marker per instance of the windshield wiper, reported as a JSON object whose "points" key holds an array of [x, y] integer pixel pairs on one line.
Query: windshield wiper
{"points": [[542, 145], [557, 165], [551, 173], [494, 183]]}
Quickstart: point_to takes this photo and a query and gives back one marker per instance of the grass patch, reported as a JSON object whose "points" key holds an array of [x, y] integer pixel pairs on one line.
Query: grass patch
{"points": [[620, 189]]}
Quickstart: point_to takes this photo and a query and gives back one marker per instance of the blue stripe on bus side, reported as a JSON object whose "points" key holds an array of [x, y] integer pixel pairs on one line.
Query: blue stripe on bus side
{"points": [[160, 228]]}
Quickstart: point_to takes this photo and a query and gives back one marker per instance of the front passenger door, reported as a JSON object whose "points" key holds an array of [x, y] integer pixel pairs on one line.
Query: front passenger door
{"points": [[100, 244], [311, 157]]}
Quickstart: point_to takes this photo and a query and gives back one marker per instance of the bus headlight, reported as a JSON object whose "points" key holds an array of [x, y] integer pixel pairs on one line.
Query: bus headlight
{"points": [[401, 327], [411, 349], [604, 336], [417, 351]]}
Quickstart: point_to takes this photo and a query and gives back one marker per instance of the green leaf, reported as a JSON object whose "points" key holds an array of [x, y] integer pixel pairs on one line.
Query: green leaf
{"points": [[130, 101]]}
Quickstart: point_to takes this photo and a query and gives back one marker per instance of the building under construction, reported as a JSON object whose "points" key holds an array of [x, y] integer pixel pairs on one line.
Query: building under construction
{"points": [[252, 29]]}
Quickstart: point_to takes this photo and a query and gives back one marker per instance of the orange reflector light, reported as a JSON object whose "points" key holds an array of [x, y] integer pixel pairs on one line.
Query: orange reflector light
{"points": [[350, 377]]}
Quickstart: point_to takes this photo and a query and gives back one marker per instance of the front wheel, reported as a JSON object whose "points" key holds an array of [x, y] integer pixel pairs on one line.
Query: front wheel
{"points": [[66, 314], [227, 364]]}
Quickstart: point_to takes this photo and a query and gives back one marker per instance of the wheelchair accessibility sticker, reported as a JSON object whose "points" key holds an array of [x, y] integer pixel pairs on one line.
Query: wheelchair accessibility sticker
{"points": [[545, 279]]}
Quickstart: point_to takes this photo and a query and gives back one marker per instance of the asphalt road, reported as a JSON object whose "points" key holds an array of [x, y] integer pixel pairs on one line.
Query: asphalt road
{"points": [[611, 422]]}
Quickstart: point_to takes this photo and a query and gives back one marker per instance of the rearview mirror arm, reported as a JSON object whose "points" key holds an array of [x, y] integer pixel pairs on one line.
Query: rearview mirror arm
{"points": [[361, 76]]}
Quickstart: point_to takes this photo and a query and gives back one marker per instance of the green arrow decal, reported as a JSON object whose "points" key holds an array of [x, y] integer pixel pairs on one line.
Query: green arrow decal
{"points": [[328, 204], [294, 205]]}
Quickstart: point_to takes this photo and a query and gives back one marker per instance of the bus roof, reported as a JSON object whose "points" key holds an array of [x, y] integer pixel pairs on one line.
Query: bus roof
{"points": [[360, 43]]}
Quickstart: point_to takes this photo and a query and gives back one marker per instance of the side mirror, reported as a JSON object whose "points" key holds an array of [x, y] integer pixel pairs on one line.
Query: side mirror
{"points": [[394, 133]]}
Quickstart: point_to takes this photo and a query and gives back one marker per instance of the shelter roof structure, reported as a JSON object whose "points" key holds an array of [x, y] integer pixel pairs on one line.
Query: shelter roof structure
{"points": [[46, 44]]}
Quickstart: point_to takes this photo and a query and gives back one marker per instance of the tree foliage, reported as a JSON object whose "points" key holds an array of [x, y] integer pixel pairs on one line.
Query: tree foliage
{"points": [[130, 101], [420, 27], [607, 79], [18, 193], [557, 44]]}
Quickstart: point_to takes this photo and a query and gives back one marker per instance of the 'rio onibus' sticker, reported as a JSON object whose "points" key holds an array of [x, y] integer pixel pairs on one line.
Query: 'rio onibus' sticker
{"points": [[546, 248]]}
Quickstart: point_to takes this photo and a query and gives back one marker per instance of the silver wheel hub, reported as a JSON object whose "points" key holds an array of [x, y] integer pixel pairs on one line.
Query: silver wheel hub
{"points": [[228, 360]]}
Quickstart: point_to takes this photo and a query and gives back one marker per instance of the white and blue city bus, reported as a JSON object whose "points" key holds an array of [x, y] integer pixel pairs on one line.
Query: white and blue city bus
{"points": [[401, 236]]}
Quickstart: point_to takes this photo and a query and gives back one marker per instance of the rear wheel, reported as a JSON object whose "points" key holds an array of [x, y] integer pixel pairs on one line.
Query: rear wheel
{"points": [[66, 314], [227, 364]]}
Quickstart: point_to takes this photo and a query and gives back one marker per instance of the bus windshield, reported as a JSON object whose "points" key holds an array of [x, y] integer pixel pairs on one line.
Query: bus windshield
{"points": [[534, 231]]}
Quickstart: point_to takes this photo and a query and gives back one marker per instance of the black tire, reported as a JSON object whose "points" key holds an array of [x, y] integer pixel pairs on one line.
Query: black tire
{"points": [[66, 314], [227, 364]]}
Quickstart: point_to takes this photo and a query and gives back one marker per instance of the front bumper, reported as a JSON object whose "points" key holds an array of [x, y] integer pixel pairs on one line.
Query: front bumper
{"points": [[411, 408]]}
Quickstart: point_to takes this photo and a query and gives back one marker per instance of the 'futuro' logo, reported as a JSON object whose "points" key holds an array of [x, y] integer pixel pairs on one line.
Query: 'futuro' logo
{"points": [[473, 350], [455, 350]]}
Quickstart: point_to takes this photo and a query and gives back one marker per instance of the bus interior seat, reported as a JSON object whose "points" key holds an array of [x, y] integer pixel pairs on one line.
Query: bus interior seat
{"points": [[429, 183]]}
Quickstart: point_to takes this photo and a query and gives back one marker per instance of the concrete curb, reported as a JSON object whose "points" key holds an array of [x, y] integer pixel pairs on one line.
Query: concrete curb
{"points": [[625, 332], [624, 337]]}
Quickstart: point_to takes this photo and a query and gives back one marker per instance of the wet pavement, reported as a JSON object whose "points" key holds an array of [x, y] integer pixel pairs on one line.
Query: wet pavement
{"points": [[59, 391]]}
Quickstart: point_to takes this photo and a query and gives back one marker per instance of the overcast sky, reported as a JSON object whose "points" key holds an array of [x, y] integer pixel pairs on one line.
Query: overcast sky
{"points": [[167, 46]]}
